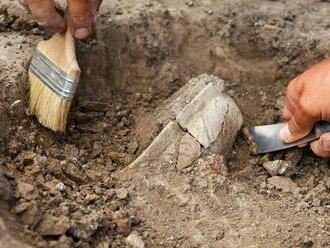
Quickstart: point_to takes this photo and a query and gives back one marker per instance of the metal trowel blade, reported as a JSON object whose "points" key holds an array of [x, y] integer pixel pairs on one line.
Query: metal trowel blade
{"points": [[267, 138]]}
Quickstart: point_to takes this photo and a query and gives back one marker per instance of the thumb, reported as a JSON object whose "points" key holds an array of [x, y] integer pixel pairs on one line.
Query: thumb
{"points": [[321, 147], [299, 125]]}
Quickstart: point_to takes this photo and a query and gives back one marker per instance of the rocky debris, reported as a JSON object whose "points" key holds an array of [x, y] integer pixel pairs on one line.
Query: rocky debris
{"points": [[121, 193], [215, 164], [122, 222], [54, 167], [207, 116], [319, 195], [7, 240], [189, 151], [26, 158], [53, 226], [26, 190], [134, 240], [74, 173], [5, 188], [65, 242], [280, 168], [293, 156], [283, 183], [51, 186], [283, 167], [94, 106], [60, 186], [31, 215], [85, 229], [132, 147], [121, 158]]}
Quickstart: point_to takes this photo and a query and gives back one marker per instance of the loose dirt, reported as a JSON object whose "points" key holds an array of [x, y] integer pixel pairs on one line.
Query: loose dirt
{"points": [[67, 190]]}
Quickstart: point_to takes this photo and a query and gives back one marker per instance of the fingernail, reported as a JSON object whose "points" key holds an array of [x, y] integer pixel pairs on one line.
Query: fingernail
{"points": [[81, 33], [326, 144], [285, 133]]}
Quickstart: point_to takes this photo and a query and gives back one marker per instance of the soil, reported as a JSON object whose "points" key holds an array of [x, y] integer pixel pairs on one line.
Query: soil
{"points": [[142, 53]]}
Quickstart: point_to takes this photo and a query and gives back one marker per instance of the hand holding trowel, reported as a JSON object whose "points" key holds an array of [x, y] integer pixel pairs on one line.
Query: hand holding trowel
{"points": [[307, 110], [267, 138]]}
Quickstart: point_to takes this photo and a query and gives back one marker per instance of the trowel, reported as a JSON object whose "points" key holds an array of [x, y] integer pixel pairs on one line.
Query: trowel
{"points": [[266, 138]]}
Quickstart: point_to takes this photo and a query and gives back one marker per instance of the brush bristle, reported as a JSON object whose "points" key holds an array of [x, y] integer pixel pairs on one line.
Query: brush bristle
{"points": [[50, 109]]}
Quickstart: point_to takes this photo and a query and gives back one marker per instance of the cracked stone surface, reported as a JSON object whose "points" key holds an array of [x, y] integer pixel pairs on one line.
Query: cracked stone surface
{"points": [[189, 151], [200, 114]]}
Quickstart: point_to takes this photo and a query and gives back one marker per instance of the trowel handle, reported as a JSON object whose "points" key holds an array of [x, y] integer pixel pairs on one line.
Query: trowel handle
{"points": [[322, 127]]}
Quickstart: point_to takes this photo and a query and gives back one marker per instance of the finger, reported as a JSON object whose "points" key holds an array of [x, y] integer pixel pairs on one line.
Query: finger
{"points": [[321, 147], [81, 16], [300, 124], [46, 15], [292, 96]]}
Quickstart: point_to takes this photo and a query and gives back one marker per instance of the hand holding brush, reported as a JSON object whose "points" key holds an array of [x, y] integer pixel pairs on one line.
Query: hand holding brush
{"points": [[54, 71]]}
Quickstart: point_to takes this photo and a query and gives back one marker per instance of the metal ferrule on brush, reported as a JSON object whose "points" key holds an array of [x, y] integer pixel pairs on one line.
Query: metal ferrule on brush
{"points": [[54, 77]]}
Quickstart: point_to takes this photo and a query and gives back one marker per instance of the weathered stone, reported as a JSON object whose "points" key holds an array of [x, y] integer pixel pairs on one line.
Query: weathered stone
{"points": [[200, 116], [205, 115], [25, 190], [209, 116], [134, 240], [121, 193], [84, 229], [283, 183], [189, 151], [231, 123], [53, 226], [171, 134], [60, 186], [32, 215], [280, 167], [184, 95]]}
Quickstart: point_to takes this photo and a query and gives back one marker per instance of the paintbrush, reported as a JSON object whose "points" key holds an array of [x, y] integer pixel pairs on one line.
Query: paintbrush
{"points": [[53, 75]]}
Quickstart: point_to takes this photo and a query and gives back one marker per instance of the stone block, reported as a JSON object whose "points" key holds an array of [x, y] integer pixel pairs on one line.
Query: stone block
{"points": [[199, 114], [205, 115], [189, 151]]}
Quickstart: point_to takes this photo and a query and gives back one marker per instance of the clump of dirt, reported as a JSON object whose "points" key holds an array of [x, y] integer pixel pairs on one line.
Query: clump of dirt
{"points": [[65, 188]]}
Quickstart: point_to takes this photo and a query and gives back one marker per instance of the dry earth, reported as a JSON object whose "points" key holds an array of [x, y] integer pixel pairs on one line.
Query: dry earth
{"points": [[75, 190]]}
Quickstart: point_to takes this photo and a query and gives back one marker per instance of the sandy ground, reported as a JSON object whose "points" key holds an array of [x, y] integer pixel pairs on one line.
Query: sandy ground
{"points": [[143, 52]]}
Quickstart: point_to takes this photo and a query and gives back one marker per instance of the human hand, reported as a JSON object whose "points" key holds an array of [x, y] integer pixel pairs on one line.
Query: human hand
{"points": [[307, 101], [81, 15]]}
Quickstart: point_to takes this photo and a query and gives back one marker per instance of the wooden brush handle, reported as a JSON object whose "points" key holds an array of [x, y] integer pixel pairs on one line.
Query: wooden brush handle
{"points": [[60, 49]]}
